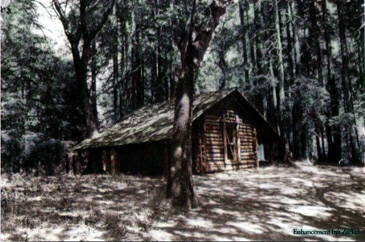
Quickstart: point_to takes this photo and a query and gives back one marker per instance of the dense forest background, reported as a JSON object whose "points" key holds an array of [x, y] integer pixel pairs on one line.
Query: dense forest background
{"points": [[300, 62]]}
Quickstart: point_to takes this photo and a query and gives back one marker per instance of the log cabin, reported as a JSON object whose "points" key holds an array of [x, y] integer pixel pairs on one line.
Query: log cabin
{"points": [[228, 133]]}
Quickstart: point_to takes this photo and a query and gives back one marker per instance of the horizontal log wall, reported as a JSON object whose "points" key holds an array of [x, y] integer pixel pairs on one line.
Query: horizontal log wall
{"points": [[210, 139]]}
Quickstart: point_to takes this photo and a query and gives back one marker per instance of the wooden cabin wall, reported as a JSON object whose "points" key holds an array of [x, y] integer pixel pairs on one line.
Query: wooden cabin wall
{"points": [[248, 136], [209, 143]]}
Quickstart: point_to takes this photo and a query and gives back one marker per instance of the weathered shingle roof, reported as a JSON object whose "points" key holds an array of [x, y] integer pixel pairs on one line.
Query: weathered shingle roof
{"points": [[149, 123]]}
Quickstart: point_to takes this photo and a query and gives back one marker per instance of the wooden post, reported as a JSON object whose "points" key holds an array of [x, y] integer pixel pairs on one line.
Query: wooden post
{"points": [[114, 160], [165, 162], [225, 142], [199, 158], [76, 161], [203, 165], [109, 165], [256, 147], [238, 140], [106, 161], [92, 157]]}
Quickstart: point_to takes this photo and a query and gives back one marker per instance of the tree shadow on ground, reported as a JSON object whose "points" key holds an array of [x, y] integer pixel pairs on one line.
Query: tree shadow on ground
{"points": [[242, 205], [270, 204], [76, 207]]}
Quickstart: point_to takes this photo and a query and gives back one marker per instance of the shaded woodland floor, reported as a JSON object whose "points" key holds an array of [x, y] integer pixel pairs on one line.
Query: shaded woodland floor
{"points": [[267, 203]]}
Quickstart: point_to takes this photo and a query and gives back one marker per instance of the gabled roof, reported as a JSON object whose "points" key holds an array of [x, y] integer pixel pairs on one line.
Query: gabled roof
{"points": [[154, 122]]}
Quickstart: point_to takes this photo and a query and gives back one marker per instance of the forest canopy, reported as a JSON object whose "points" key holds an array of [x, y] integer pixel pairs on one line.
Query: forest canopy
{"points": [[301, 63]]}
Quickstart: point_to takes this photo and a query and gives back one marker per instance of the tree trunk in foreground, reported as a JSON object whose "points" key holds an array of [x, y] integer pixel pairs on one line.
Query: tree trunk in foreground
{"points": [[192, 47]]}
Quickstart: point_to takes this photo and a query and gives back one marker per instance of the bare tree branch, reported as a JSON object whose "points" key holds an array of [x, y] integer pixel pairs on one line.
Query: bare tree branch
{"points": [[91, 35]]}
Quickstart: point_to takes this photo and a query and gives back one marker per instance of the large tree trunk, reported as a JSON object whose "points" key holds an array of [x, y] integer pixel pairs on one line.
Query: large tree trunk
{"points": [[85, 103], [192, 46], [137, 65], [123, 13], [289, 34], [92, 92], [115, 65], [81, 38], [346, 84], [179, 186], [362, 79], [242, 7], [258, 53], [281, 92], [333, 133]]}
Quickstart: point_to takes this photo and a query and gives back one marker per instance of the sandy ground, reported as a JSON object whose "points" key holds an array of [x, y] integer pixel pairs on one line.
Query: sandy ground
{"points": [[268, 203]]}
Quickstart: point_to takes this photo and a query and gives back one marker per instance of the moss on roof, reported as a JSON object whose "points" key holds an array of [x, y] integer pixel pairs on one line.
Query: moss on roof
{"points": [[149, 123]]}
